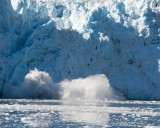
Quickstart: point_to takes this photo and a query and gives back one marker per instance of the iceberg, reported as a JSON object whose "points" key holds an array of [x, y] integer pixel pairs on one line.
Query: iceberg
{"points": [[78, 39]]}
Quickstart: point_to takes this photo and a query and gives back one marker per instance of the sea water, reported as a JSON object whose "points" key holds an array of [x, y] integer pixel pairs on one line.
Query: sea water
{"points": [[74, 114]]}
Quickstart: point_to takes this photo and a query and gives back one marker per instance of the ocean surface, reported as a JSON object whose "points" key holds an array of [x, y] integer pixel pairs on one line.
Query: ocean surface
{"points": [[76, 114]]}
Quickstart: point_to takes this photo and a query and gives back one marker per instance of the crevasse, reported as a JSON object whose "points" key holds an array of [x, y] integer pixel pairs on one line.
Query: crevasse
{"points": [[75, 39]]}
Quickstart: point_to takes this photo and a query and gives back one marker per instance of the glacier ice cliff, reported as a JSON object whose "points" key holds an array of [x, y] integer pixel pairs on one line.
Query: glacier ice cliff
{"points": [[75, 39]]}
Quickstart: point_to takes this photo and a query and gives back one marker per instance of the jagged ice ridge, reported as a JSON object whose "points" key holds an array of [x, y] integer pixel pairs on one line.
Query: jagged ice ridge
{"points": [[75, 39]]}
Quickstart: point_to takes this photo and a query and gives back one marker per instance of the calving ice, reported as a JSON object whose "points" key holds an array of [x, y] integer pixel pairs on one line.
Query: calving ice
{"points": [[71, 42]]}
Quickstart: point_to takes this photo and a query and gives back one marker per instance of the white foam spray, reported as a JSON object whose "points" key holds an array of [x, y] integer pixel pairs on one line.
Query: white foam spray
{"points": [[92, 87], [39, 85]]}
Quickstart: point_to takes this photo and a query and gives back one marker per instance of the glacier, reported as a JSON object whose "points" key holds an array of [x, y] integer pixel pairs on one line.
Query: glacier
{"points": [[74, 40]]}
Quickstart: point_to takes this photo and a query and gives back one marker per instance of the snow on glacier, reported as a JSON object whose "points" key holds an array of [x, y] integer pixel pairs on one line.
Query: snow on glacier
{"points": [[75, 39]]}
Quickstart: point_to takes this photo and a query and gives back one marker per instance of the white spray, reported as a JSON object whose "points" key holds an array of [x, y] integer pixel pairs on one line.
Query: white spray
{"points": [[39, 85]]}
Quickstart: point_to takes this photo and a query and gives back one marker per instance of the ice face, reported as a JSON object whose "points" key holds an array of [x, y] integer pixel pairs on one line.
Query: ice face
{"points": [[76, 39]]}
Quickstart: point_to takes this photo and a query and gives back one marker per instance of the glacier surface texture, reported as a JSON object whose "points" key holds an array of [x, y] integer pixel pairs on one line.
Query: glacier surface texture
{"points": [[56, 48]]}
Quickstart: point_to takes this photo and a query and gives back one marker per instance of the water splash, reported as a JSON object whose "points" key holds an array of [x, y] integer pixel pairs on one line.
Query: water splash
{"points": [[39, 85]]}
